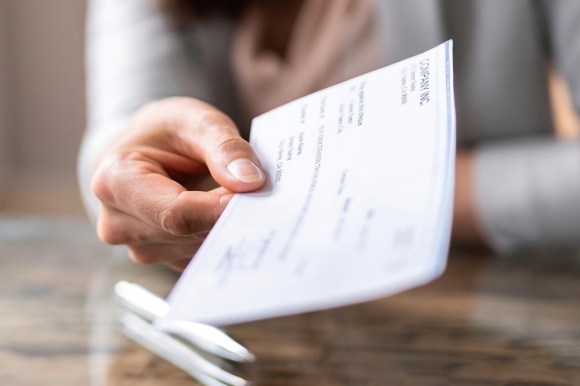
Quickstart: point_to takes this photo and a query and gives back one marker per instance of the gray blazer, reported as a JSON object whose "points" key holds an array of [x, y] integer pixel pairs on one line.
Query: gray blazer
{"points": [[527, 183]]}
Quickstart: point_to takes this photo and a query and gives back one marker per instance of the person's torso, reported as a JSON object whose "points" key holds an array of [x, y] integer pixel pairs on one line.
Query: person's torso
{"points": [[500, 60]]}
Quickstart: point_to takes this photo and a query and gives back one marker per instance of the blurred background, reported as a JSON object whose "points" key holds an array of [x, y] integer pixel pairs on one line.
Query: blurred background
{"points": [[42, 108]]}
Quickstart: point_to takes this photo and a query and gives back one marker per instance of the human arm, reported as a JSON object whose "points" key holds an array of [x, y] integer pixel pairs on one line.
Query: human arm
{"points": [[147, 146], [518, 194], [527, 189], [133, 56], [142, 181]]}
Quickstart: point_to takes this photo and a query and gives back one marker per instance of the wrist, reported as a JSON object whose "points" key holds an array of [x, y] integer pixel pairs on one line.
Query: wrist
{"points": [[466, 228]]}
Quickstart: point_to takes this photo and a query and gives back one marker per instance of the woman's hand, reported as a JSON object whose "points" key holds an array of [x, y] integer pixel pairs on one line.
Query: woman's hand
{"points": [[142, 182]]}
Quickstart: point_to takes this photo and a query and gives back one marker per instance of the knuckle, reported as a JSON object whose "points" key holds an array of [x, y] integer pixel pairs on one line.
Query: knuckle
{"points": [[198, 238], [174, 222], [215, 125], [108, 179], [131, 155], [213, 121], [110, 234], [185, 218], [229, 144], [101, 186]]}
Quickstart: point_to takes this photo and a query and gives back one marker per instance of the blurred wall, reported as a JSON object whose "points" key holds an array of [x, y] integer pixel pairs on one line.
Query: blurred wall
{"points": [[5, 157], [42, 112]]}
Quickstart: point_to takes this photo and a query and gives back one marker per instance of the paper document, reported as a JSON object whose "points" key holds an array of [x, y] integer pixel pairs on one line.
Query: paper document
{"points": [[357, 204]]}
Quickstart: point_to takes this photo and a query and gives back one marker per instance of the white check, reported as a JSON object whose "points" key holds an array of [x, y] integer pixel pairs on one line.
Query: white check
{"points": [[357, 204]]}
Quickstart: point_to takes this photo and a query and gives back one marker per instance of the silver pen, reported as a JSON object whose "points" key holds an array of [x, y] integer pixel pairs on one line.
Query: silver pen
{"points": [[209, 338], [141, 308], [176, 352]]}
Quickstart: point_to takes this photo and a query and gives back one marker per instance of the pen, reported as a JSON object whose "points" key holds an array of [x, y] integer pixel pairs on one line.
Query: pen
{"points": [[149, 306], [176, 352]]}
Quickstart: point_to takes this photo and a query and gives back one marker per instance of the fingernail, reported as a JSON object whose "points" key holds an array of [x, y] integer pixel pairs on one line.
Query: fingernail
{"points": [[245, 170]]}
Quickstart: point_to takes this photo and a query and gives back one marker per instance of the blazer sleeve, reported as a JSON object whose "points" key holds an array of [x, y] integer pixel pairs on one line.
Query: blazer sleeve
{"points": [[528, 190]]}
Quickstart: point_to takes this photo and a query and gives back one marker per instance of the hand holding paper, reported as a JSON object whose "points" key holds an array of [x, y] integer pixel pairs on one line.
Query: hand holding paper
{"points": [[357, 203]]}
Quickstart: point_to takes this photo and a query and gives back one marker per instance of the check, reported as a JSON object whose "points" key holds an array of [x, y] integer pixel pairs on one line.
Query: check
{"points": [[357, 203]]}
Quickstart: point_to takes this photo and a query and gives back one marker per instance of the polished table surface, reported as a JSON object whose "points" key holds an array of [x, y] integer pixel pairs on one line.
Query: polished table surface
{"points": [[488, 321]]}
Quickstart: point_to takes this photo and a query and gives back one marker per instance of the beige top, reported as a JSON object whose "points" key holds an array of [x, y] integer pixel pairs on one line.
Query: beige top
{"points": [[330, 41]]}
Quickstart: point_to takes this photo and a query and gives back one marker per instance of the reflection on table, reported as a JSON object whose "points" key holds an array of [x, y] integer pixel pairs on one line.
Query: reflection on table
{"points": [[488, 321]]}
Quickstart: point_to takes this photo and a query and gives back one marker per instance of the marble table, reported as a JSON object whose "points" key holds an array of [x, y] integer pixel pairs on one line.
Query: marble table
{"points": [[488, 321]]}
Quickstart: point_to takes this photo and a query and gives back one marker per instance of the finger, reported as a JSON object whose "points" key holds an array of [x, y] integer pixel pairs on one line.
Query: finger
{"points": [[116, 227], [181, 129], [140, 187], [148, 254], [214, 137]]}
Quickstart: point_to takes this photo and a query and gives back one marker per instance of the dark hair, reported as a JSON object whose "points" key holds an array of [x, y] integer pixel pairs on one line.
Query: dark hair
{"points": [[182, 12], [189, 9]]}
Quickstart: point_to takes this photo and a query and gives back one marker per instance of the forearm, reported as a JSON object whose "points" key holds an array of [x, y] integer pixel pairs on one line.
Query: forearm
{"points": [[518, 193], [133, 57]]}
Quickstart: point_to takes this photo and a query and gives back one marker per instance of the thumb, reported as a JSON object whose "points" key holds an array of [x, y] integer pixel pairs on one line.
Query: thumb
{"points": [[234, 165], [230, 159]]}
